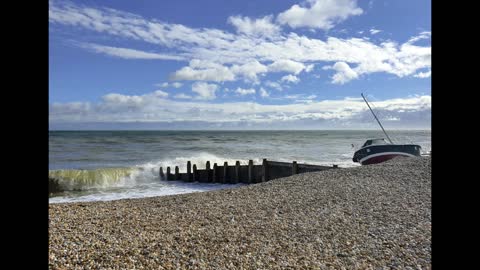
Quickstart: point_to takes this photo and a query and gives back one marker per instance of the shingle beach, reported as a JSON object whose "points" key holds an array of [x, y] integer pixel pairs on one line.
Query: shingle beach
{"points": [[368, 217]]}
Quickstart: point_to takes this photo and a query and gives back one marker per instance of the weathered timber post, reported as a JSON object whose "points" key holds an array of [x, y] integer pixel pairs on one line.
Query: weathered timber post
{"points": [[208, 172], [215, 173], [250, 171], [177, 173], [169, 176], [265, 170], [189, 171], [225, 172], [237, 172], [195, 173], [162, 175], [294, 168]]}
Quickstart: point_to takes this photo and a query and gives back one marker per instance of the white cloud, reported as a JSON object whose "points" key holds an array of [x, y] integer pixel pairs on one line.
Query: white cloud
{"points": [[290, 78], [286, 65], [274, 85], [296, 96], [128, 53], [423, 74], [264, 93], [114, 103], [322, 14], [199, 70], [128, 25], [132, 101], [257, 27], [183, 96], [244, 92], [422, 35], [374, 31], [219, 56], [204, 90], [177, 84], [249, 70], [344, 73], [303, 101], [309, 68], [160, 93], [166, 84]]}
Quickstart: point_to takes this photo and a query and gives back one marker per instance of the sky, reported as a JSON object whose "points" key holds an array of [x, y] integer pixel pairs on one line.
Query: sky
{"points": [[251, 64]]}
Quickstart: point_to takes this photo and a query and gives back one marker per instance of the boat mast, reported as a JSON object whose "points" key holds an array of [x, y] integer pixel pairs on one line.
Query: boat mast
{"points": [[376, 119]]}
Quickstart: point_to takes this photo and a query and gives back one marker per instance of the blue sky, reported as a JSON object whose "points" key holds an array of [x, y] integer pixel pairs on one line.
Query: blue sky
{"points": [[243, 65]]}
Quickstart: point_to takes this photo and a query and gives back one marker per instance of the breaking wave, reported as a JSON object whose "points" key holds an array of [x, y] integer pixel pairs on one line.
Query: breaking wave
{"points": [[70, 180], [105, 178]]}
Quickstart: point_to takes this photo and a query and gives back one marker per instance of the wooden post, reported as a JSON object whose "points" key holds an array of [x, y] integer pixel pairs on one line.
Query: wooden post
{"points": [[215, 173], [177, 173], [250, 171], [294, 168], [169, 176], [208, 172], [195, 173], [162, 175], [265, 170], [225, 172], [189, 171], [237, 172]]}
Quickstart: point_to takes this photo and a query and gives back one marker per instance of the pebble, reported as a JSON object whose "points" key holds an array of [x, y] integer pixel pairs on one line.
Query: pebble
{"points": [[367, 217]]}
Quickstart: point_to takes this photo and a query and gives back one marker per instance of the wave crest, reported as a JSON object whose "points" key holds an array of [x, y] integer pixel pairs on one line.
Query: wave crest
{"points": [[69, 180], [104, 178]]}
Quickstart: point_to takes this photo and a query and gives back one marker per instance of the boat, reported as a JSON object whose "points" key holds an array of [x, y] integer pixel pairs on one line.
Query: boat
{"points": [[379, 150]]}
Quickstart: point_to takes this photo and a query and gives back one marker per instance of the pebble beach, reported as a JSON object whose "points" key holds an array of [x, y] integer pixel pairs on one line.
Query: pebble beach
{"points": [[368, 217]]}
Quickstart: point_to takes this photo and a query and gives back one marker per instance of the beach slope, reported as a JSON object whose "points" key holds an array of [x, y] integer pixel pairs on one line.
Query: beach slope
{"points": [[356, 218]]}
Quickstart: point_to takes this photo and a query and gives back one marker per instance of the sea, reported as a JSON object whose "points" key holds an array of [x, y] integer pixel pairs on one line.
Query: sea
{"points": [[112, 165]]}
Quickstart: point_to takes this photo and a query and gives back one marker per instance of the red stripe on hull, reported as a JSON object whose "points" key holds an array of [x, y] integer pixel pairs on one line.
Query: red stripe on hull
{"points": [[379, 159]]}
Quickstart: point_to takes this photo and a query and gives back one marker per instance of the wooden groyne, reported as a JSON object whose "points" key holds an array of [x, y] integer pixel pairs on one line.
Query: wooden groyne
{"points": [[233, 174]]}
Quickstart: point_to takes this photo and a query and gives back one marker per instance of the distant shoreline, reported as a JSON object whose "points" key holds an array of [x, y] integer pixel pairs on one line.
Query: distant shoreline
{"points": [[240, 130]]}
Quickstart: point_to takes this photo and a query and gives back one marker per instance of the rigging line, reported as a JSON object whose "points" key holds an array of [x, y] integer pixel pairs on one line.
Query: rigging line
{"points": [[378, 112], [373, 124], [376, 118]]}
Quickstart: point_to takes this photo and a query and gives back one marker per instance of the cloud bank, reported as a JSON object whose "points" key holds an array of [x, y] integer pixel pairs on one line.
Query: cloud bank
{"points": [[155, 107]]}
